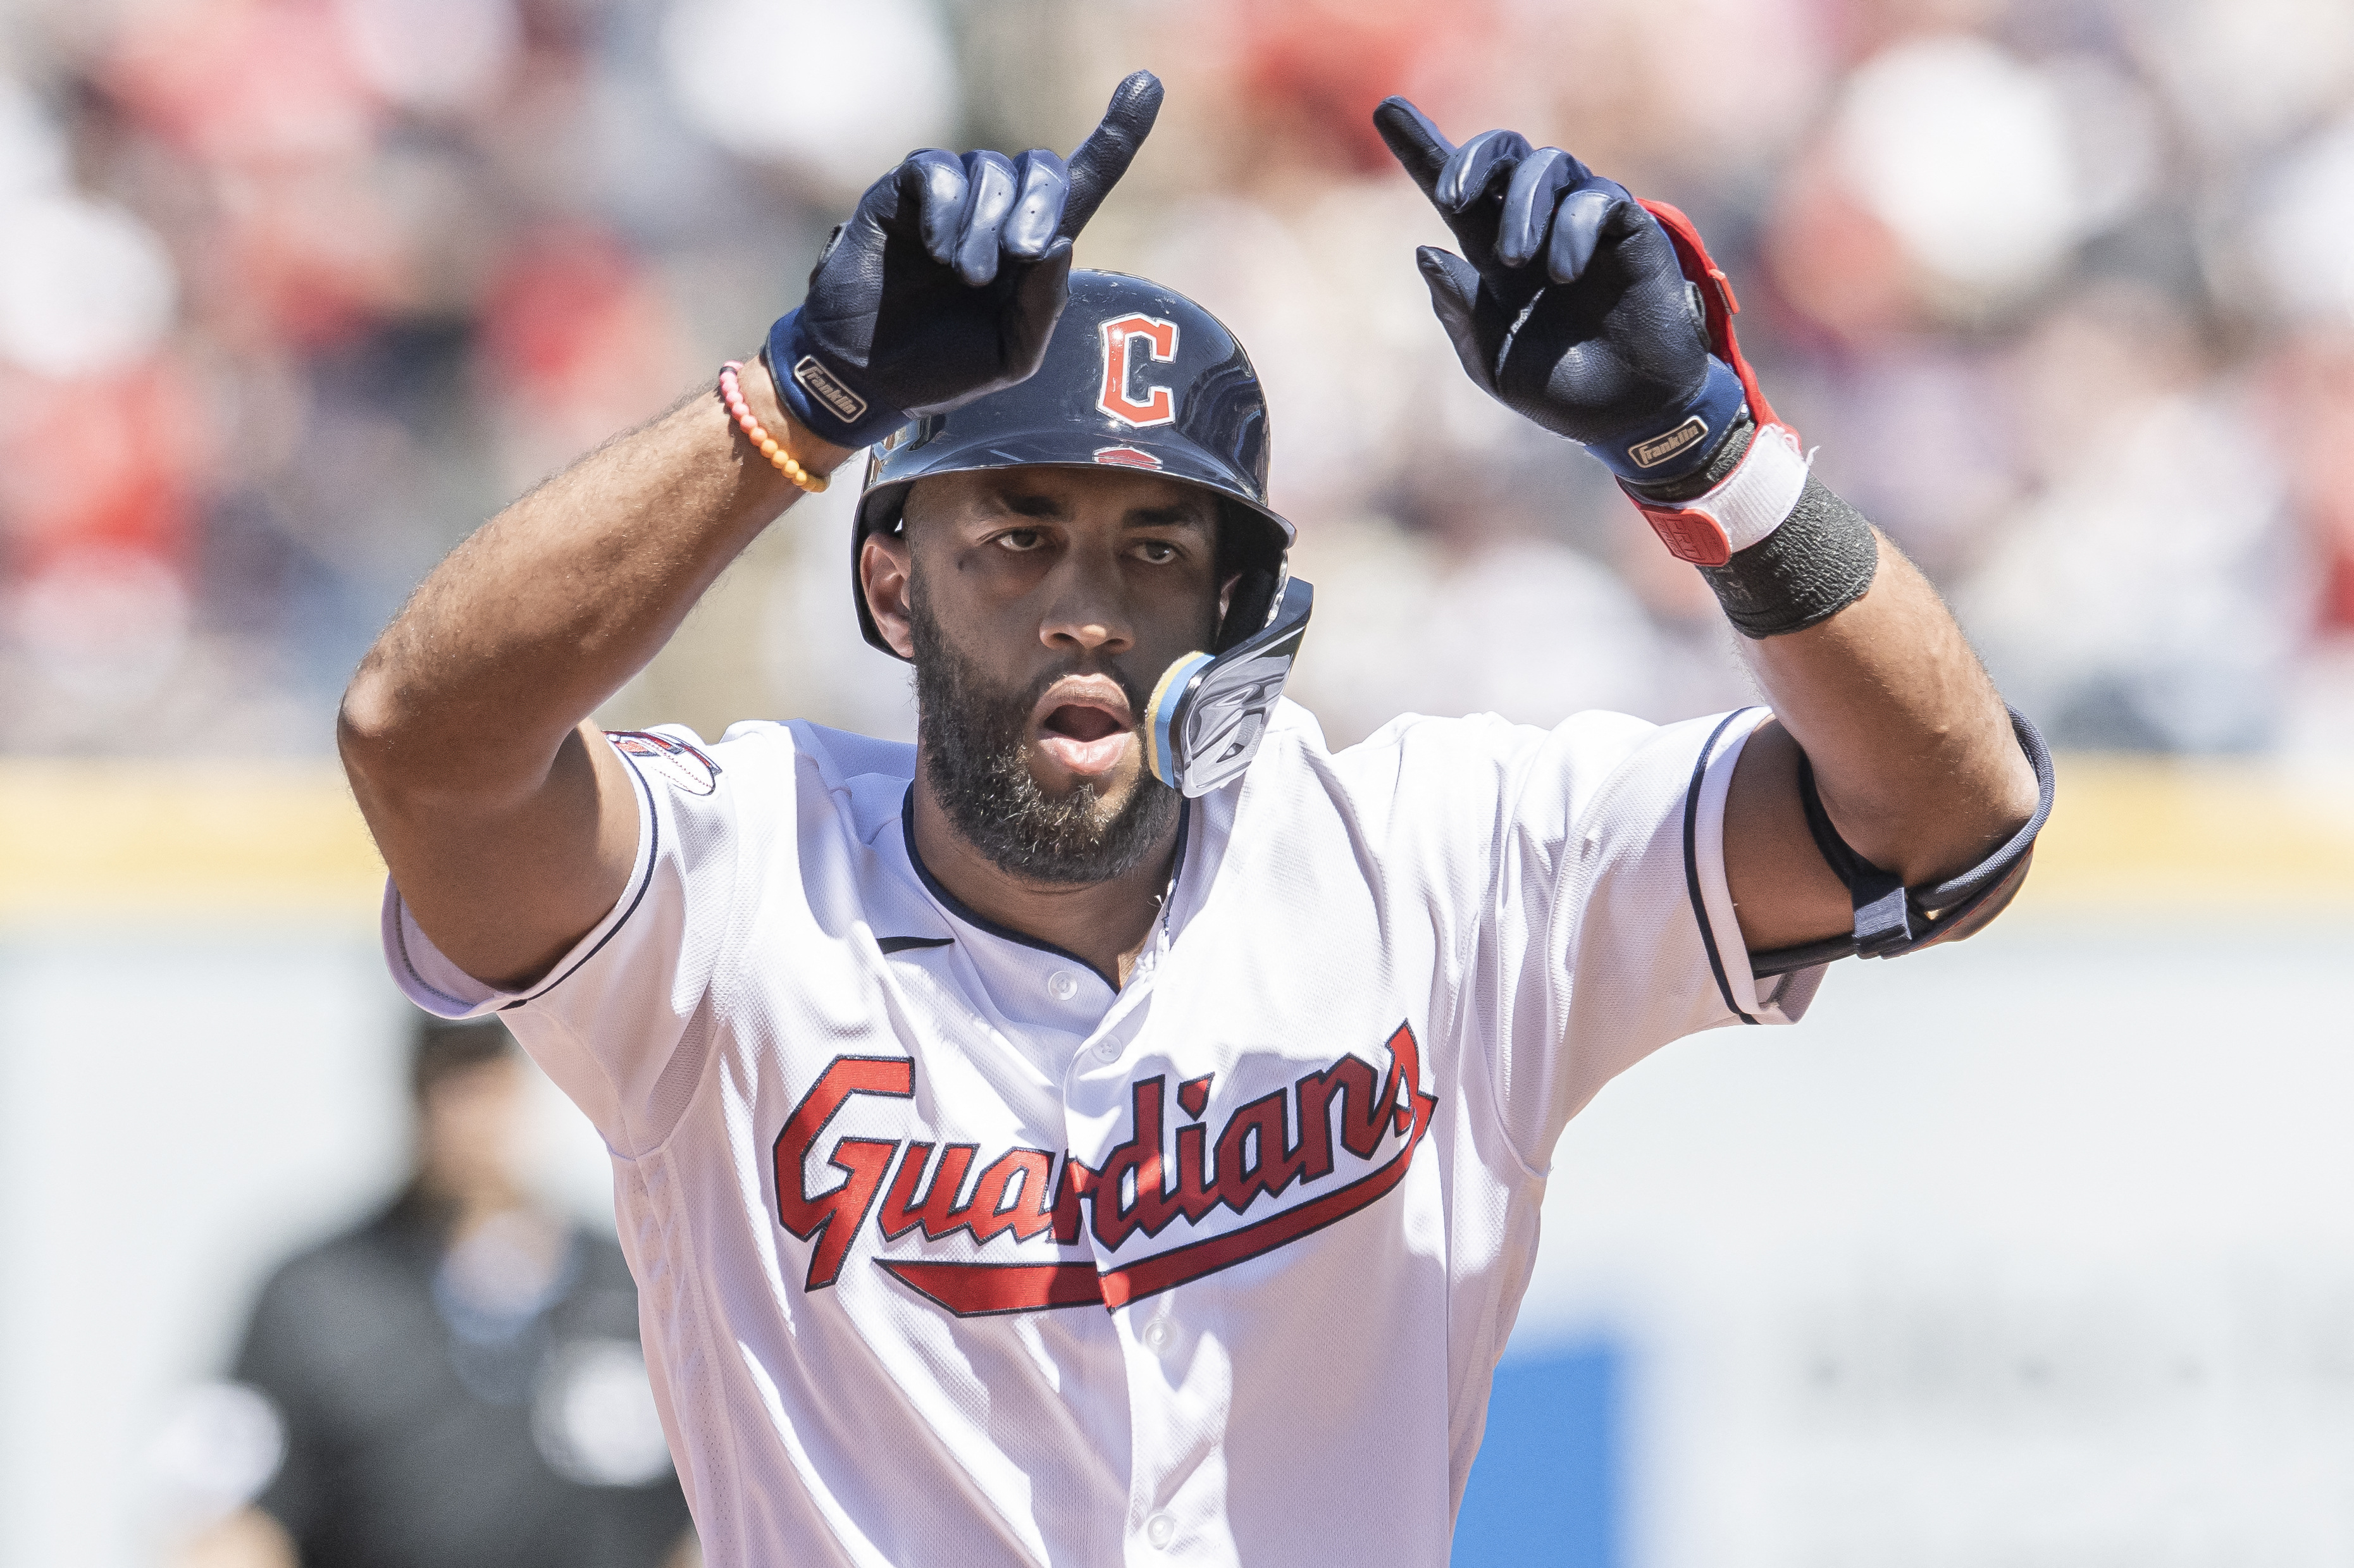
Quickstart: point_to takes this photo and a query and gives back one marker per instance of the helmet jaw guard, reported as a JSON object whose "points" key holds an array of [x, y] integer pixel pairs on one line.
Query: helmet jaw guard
{"points": [[1210, 712]]}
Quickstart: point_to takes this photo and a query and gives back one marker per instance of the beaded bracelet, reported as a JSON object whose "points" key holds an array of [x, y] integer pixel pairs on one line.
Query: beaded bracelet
{"points": [[732, 393]]}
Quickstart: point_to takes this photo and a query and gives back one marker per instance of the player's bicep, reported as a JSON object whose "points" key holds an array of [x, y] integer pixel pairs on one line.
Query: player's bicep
{"points": [[1784, 894], [505, 883]]}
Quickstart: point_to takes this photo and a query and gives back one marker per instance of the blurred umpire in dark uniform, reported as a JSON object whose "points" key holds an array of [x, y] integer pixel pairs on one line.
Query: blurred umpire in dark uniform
{"points": [[458, 1381]]}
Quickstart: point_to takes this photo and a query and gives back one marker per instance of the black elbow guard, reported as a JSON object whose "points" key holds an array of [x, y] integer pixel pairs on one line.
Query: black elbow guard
{"points": [[1891, 919]]}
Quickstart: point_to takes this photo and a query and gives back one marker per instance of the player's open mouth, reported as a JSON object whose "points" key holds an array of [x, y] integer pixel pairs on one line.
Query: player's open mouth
{"points": [[1084, 732]]}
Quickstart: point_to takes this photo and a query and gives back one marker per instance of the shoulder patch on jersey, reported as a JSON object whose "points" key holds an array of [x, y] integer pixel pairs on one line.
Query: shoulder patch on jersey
{"points": [[675, 763]]}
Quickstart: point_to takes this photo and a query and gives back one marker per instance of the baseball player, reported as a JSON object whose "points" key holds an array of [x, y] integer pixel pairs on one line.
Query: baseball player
{"points": [[1113, 1129]]}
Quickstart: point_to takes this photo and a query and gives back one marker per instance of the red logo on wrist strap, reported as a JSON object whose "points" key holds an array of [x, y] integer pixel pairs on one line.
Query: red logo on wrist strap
{"points": [[1689, 533]]}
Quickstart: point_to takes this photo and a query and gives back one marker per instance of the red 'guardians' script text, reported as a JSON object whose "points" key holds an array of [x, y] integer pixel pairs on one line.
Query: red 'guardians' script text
{"points": [[1266, 1147]]}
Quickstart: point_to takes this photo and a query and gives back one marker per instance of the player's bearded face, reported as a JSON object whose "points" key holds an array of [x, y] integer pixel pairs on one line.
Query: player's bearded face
{"points": [[975, 733]]}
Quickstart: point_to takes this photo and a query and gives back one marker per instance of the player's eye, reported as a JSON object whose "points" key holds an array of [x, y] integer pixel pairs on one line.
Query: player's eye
{"points": [[1157, 552], [1021, 538]]}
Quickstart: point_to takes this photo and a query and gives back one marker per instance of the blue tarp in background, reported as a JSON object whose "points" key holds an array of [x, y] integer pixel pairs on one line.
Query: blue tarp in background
{"points": [[1549, 1487]]}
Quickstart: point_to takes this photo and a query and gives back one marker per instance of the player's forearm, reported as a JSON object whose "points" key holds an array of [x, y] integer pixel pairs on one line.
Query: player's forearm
{"points": [[1910, 747], [549, 608]]}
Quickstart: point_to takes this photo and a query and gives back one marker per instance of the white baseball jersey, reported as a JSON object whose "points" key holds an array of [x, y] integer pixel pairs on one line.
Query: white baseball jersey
{"points": [[949, 1253]]}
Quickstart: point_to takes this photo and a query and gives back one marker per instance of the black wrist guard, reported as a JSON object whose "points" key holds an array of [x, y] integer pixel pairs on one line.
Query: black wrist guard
{"points": [[1820, 560]]}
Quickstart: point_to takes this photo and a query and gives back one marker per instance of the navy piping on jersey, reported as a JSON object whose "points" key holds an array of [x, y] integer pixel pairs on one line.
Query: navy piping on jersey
{"points": [[654, 851], [956, 906], [1692, 865], [904, 944]]}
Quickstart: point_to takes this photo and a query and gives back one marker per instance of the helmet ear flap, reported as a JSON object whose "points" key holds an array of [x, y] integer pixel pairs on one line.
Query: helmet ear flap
{"points": [[1253, 603], [1251, 553]]}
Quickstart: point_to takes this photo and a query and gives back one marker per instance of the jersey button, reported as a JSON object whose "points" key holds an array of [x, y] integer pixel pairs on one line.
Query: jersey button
{"points": [[1063, 985], [1157, 1335], [1159, 1530], [1109, 1050]]}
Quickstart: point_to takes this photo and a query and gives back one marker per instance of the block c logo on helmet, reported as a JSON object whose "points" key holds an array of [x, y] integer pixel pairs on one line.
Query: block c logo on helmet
{"points": [[1120, 338]]}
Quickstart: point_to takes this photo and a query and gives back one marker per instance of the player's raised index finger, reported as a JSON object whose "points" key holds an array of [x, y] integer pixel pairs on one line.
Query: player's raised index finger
{"points": [[1105, 155], [1417, 143]]}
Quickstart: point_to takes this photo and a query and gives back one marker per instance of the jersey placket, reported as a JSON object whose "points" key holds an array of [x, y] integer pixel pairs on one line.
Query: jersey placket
{"points": [[1177, 1382], [1176, 1385], [1037, 999]]}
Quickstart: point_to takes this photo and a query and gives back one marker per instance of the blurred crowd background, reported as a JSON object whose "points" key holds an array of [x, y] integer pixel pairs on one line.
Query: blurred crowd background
{"points": [[295, 292]]}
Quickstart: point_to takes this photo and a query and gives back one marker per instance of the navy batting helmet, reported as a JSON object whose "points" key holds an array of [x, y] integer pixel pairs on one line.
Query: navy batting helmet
{"points": [[1136, 376]]}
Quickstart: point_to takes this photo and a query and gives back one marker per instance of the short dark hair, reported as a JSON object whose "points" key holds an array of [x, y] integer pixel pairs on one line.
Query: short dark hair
{"points": [[443, 1047]]}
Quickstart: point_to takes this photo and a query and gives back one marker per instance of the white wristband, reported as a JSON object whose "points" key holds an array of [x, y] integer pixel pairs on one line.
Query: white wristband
{"points": [[1745, 505]]}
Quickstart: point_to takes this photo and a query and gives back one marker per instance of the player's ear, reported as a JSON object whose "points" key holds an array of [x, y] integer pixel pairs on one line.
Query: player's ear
{"points": [[884, 568]]}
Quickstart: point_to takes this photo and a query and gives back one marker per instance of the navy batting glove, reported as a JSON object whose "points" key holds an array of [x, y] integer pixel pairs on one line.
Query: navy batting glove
{"points": [[1568, 305], [948, 280]]}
